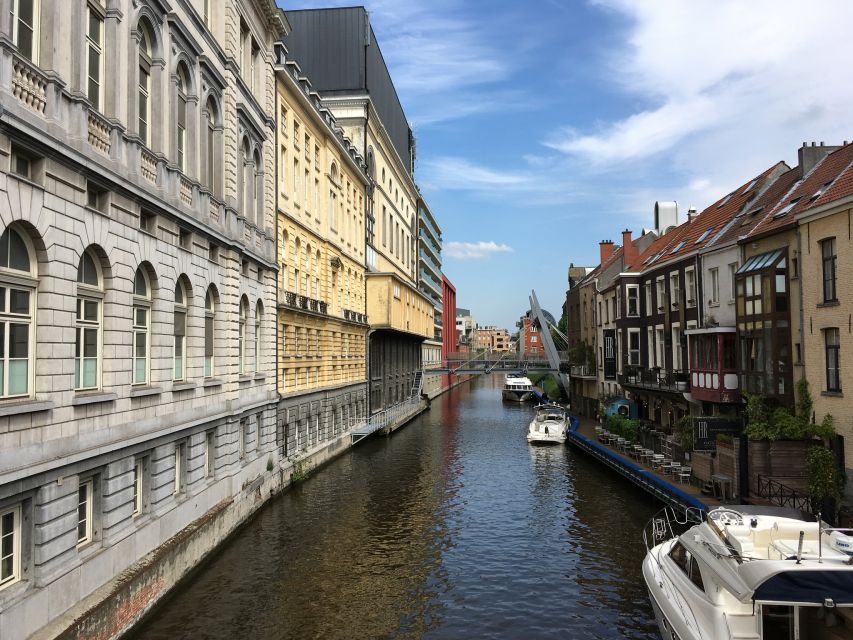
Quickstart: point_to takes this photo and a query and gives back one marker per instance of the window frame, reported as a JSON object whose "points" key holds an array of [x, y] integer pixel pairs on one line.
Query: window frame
{"points": [[829, 269], [138, 487], [88, 487], [141, 303], [96, 11], [143, 83], [209, 340], [179, 354], [832, 353], [14, 575], [33, 54], [13, 279], [635, 288], [88, 293]]}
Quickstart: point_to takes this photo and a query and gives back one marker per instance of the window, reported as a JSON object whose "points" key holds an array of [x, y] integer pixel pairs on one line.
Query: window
{"points": [[144, 83], [95, 56], [828, 257], [84, 512], [674, 291], [833, 353], [209, 453], [244, 426], [179, 332], [676, 347], [87, 323], [148, 221], [659, 344], [209, 327], [212, 135], [141, 316], [659, 289], [22, 163], [633, 291], [714, 277], [241, 336], [180, 467], [650, 346], [259, 312], [247, 182], [258, 194], [10, 545], [733, 281], [397, 291], [181, 121], [24, 25], [690, 283], [687, 563], [16, 316], [634, 347], [138, 476]]}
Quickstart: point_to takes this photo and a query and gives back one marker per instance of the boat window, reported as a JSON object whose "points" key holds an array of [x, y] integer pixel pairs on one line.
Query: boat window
{"points": [[819, 623], [687, 563], [777, 622]]}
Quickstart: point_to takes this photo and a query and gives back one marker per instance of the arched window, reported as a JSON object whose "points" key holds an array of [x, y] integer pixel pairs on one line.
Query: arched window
{"points": [[258, 195], [144, 83], [241, 336], [88, 323], [180, 332], [211, 135], [181, 116], [16, 315], [141, 326], [259, 312], [248, 182], [209, 328]]}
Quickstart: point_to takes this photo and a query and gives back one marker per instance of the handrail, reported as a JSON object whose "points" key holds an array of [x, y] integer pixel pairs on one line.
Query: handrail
{"points": [[781, 494]]}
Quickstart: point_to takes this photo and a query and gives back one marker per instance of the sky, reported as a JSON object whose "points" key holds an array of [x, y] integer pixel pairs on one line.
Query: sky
{"points": [[546, 126]]}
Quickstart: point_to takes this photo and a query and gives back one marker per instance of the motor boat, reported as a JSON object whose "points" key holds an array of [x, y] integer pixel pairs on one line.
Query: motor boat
{"points": [[517, 388], [549, 425], [762, 573]]}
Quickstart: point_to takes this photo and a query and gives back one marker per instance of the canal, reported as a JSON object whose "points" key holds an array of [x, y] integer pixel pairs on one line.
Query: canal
{"points": [[454, 527]]}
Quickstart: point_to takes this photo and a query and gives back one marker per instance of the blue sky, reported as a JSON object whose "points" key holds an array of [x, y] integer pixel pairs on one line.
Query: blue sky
{"points": [[548, 125]]}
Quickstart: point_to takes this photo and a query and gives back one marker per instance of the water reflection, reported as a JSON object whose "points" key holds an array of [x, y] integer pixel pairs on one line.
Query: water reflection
{"points": [[453, 528]]}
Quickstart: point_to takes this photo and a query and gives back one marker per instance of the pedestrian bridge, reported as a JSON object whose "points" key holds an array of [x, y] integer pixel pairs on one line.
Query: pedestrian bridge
{"points": [[497, 362]]}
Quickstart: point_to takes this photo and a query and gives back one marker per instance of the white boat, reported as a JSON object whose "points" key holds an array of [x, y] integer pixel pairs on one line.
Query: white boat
{"points": [[549, 425], [517, 388], [762, 573]]}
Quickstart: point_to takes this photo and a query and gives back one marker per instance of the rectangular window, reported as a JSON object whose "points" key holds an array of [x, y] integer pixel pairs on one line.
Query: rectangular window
{"points": [[21, 163], [714, 276], [833, 354], [138, 477], [180, 320], [828, 257], [733, 281], [661, 346], [140, 344], [674, 291], [180, 467], [676, 347], [15, 340], [634, 347], [144, 99], [24, 20], [650, 346], [659, 289], [690, 283], [87, 343], [633, 292], [209, 453], [242, 438], [10, 545], [95, 57], [296, 175], [85, 495]]}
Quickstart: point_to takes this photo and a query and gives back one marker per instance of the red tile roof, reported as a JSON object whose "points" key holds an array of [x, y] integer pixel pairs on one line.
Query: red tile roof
{"points": [[812, 191]]}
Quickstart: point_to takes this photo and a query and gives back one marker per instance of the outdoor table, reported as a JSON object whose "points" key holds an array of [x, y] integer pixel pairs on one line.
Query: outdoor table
{"points": [[724, 482], [657, 460]]}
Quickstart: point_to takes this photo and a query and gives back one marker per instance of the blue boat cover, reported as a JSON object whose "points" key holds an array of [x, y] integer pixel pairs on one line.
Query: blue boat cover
{"points": [[807, 586]]}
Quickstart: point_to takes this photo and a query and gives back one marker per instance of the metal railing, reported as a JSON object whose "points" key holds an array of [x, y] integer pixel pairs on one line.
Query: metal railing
{"points": [[387, 417], [675, 380], [582, 371], [781, 494]]}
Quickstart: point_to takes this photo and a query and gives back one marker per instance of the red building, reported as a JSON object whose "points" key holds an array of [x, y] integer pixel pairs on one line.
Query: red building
{"points": [[530, 338], [448, 317]]}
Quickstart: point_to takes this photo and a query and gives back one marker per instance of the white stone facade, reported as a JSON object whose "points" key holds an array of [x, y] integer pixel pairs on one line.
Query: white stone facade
{"points": [[135, 138]]}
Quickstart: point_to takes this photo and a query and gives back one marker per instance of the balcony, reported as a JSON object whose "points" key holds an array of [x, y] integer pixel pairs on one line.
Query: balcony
{"points": [[582, 371], [303, 303], [354, 316], [675, 381]]}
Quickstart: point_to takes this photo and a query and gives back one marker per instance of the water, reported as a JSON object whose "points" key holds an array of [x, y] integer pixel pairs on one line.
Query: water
{"points": [[452, 528]]}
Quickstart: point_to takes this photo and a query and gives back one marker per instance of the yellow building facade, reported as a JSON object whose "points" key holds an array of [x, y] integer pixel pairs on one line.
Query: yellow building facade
{"points": [[322, 314]]}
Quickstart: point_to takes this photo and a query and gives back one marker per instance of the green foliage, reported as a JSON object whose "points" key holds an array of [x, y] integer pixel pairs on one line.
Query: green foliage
{"points": [[299, 473], [725, 438], [270, 465], [582, 354], [683, 430], [825, 481], [623, 427], [769, 421]]}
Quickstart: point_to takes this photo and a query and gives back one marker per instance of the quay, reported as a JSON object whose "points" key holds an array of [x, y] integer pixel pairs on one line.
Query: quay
{"points": [[582, 436]]}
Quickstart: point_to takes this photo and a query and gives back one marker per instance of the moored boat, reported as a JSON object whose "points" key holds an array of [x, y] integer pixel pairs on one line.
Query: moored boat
{"points": [[763, 573], [549, 425], [517, 388]]}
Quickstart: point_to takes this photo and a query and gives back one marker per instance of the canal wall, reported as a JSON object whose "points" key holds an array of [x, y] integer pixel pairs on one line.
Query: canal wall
{"points": [[658, 487]]}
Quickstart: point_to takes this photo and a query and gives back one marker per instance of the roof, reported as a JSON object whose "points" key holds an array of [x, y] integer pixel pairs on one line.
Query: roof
{"points": [[705, 227], [752, 215], [660, 247], [814, 190]]}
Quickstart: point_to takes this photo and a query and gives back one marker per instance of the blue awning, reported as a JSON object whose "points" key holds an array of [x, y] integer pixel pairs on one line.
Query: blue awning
{"points": [[808, 586]]}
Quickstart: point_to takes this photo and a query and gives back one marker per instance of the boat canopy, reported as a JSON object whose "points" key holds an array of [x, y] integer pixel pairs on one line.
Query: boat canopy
{"points": [[808, 586]]}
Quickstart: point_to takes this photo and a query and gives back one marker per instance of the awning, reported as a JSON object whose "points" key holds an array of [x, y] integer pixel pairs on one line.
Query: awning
{"points": [[761, 261], [813, 587]]}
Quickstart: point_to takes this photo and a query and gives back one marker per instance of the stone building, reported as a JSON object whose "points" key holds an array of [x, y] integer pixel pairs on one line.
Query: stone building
{"points": [[354, 84], [322, 312], [138, 284]]}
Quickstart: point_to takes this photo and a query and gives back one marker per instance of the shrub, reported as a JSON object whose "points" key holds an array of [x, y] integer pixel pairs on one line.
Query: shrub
{"points": [[825, 481]]}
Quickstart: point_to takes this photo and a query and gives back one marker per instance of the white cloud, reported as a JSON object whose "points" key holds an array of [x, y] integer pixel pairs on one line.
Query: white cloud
{"points": [[759, 75], [450, 172], [473, 250]]}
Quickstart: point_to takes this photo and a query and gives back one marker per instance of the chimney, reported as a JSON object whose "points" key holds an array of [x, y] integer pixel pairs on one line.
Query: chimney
{"points": [[691, 214], [809, 156], [606, 249], [629, 251]]}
